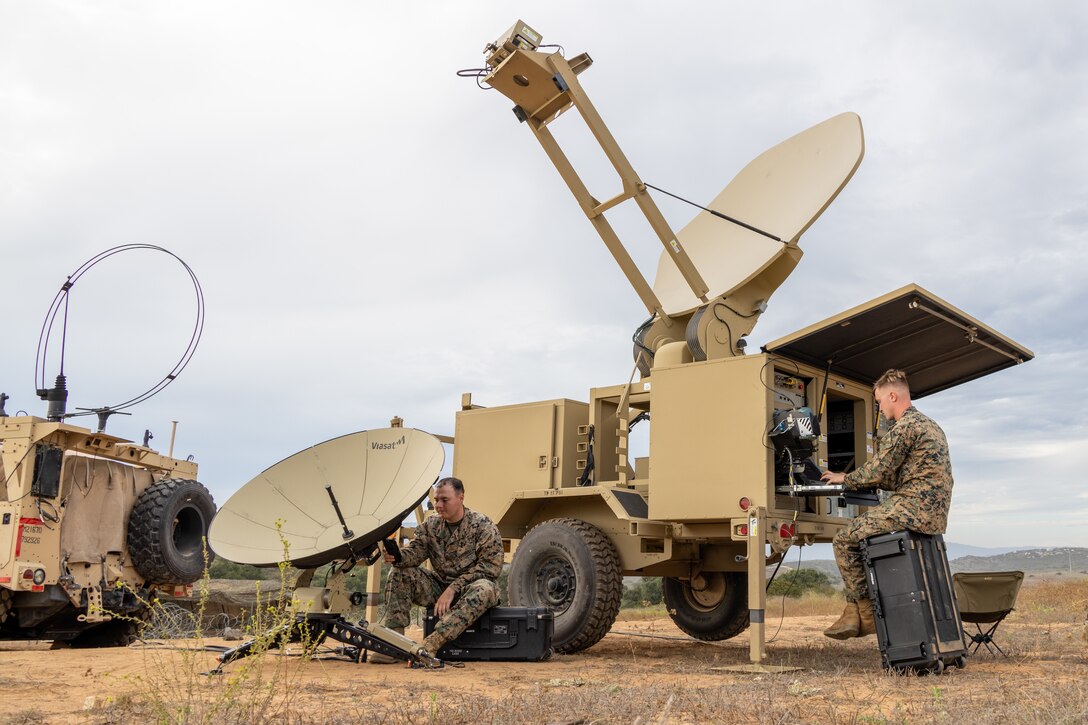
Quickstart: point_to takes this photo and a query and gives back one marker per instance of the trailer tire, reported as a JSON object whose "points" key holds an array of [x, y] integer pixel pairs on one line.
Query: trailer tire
{"points": [[573, 568], [718, 611], [167, 530]]}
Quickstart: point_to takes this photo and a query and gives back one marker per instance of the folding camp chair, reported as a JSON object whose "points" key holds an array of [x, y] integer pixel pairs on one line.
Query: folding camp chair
{"points": [[986, 597]]}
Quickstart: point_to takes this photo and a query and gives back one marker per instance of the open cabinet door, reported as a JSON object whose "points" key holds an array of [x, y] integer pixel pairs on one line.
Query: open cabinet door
{"points": [[937, 345]]}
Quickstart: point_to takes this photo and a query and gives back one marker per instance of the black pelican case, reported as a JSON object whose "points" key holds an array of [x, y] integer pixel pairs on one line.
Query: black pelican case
{"points": [[917, 621], [513, 634]]}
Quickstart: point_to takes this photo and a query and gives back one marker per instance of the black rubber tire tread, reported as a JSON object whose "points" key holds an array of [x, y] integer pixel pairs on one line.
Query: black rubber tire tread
{"points": [[150, 531], [728, 619], [119, 632], [596, 565], [5, 604]]}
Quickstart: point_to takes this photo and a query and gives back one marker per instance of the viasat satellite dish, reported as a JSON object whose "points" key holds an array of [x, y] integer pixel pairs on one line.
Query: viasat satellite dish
{"points": [[781, 192], [335, 500]]}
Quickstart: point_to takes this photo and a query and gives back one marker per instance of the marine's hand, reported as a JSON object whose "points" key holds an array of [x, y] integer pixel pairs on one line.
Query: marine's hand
{"points": [[443, 604], [389, 559], [835, 477]]}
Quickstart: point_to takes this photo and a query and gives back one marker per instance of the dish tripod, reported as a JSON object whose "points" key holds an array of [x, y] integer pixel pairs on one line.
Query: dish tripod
{"points": [[322, 615]]}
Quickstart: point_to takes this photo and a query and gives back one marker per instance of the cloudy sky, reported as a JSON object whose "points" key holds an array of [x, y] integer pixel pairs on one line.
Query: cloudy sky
{"points": [[375, 235]]}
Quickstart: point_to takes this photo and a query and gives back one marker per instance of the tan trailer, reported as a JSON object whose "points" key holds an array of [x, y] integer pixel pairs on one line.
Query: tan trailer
{"points": [[737, 441]]}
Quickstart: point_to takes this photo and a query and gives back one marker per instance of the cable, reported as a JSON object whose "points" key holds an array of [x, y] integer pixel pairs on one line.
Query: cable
{"points": [[16, 467], [477, 74], [729, 307], [62, 296], [823, 395], [782, 616], [718, 214], [639, 331]]}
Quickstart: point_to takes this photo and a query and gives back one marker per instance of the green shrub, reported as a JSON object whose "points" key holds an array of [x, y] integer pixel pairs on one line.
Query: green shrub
{"points": [[644, 593], [796, 582]]}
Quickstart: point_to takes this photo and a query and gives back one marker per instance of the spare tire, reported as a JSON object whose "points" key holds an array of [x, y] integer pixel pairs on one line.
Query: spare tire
{"points": [[167, 530]]}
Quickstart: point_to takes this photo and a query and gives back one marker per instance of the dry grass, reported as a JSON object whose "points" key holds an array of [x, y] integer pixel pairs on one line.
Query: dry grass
{"points": [[668, 680]]}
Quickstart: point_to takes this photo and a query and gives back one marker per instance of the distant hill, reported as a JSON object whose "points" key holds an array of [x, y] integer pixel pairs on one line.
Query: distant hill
{"points": [[955, 551], [1067, 559], [1059, 559]]}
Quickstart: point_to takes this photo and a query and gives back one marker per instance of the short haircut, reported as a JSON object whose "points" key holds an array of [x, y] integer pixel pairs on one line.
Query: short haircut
{"points": [[893, 378], [454, 483]]}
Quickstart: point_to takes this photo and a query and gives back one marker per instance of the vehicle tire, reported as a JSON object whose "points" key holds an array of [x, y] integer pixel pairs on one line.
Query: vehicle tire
{"points": [[167, 530], [5, 604], [572, 568], [719, 610], [120, 632]]}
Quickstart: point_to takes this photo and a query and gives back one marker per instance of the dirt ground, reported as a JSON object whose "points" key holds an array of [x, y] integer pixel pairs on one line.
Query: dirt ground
{"points": [[643, 671]]}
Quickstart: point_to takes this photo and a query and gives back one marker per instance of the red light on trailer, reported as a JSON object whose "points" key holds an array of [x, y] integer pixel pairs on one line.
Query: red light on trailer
{"points": [[742, 530], [745, 504], [28, 574], [787, 531]]}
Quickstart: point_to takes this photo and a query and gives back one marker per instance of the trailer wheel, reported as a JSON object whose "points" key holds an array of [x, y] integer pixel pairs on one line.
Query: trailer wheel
{"points": [[572, 568], [717, 609], [167, 529]]}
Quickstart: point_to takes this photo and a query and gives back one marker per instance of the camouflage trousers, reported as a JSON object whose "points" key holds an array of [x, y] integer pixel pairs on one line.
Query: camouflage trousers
{"points": [[847, 546], [415, 585]]}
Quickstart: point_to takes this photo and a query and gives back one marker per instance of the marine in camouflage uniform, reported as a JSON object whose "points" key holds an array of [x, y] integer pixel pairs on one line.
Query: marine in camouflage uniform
{"points": [[466, 557], [913, 464]]}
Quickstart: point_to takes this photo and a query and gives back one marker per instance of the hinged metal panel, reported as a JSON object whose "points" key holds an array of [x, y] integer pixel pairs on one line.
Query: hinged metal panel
{"points": [[936, 344]]}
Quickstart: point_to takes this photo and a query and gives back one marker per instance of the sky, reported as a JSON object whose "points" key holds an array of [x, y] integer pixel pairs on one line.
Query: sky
{"points": [[375, 236]]}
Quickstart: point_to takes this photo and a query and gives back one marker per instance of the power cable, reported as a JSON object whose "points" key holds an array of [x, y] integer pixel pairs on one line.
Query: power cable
{"points": [[782, 615]]}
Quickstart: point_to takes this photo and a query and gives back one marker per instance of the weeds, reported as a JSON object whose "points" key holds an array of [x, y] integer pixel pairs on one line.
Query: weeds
{"points": [[624, 679], [24, 717], [177, 686]]}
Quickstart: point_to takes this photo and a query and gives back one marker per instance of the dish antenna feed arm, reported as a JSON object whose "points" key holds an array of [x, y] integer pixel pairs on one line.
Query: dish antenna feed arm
{"points": [[716, 275], [543, 86]]}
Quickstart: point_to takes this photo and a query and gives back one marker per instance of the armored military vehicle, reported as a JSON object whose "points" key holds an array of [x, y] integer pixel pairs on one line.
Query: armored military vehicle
{"points": [[90, 523]]}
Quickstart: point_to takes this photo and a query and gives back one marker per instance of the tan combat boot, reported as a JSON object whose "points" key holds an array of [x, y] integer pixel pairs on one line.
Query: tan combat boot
{"points": [[848, 625], [432, 644], [866, 622], [378, 658]]}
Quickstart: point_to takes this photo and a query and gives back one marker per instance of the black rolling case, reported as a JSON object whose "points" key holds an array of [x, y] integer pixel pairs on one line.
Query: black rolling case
{"points": [[917, 621], [522, 634]]}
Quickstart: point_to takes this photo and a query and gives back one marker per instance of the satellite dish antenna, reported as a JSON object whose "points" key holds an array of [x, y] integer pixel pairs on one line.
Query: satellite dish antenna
{"points": [[333, 501], [781, 192]]}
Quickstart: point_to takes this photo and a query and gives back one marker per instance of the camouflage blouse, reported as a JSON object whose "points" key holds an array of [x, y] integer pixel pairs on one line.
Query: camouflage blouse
{"points": [[459, 555], [913, 464]]}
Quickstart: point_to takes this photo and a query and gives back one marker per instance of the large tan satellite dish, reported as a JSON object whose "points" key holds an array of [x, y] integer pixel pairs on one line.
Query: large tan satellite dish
{"points": [[782, 192], [332, 501]]}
